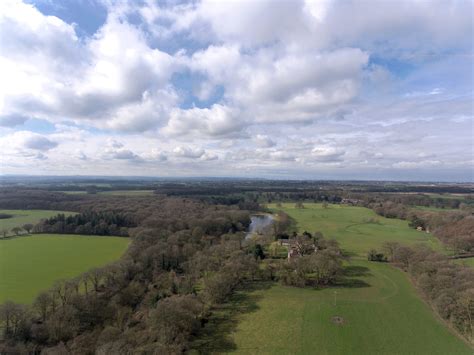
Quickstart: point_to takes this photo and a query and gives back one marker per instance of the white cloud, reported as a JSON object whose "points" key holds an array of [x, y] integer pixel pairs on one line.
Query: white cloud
{"points": [[25, 145], [327, 154], [215, 121], [188, 152], [114, 79], [279, 87]]}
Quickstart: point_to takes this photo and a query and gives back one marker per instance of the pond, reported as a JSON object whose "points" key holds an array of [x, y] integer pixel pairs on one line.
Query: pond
{"points": [[258, 223]]}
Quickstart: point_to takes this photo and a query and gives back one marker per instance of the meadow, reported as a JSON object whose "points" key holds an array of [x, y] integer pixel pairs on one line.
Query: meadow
{"points": [[374, 310], [30, 264], [114, 192], [21, 217]]}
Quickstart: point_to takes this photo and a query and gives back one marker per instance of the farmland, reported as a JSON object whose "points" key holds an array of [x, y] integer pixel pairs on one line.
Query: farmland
{"points": [[379, 309], [30, 264]]}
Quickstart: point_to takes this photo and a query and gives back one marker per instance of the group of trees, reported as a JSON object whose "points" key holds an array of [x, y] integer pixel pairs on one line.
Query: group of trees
{"points": [[27, 227], [318, 261]]}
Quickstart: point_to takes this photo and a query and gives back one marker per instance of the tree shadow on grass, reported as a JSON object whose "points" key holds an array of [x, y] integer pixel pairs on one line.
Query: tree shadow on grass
{"points": [[348, 278], [355, 270], [348, 254], [216, 335]]}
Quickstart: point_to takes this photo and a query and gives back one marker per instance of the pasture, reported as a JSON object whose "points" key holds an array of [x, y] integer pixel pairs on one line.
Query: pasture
{"points": [[374, 310], [21, 217], [30, 264]]}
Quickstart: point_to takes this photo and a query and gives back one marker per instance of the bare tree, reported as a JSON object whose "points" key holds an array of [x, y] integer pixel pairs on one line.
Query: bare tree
{"points": [[4, 232], [17, 230]]}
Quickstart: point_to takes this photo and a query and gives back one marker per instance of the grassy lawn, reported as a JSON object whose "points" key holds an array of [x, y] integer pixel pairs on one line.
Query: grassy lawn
{"points": [[380, 311], [21, 217], [31, 264], [385, 318]]}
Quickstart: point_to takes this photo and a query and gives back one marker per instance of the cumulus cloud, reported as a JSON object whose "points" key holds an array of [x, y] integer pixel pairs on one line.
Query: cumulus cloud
{"points": [[327, 154], [112, 80], [188, 152], [277, 87], [216, 121]]}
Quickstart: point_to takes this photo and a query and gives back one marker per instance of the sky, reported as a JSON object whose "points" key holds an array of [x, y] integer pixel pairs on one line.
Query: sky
{"points": [[328, 89]]}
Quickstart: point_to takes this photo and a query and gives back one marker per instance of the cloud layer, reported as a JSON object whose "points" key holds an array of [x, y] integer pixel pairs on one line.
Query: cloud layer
{"points": [[294, 89]]}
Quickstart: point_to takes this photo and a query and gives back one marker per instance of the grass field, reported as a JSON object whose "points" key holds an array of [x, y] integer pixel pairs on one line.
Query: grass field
{"points": [[380, 309], [21, 217], [31, 264], [114, 192], [357, 229]]}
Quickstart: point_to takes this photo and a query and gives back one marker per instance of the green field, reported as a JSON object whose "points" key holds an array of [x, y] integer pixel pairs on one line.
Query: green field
{"points": [[31, 264], [21, 217], [357, 229], [380, 309], [114, 192]]}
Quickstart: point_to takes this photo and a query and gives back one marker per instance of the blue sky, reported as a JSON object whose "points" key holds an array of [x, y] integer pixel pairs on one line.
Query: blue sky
{"points": [[280, 89]]}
